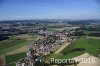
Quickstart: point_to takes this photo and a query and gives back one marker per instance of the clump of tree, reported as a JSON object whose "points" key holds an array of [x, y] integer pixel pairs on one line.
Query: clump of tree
{"points": [[77, 49], [94, 34], [78, 33], [3, 37], [89, 28]]}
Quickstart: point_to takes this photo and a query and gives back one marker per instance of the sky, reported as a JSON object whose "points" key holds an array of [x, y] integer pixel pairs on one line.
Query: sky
{"points": [[49, 9]]}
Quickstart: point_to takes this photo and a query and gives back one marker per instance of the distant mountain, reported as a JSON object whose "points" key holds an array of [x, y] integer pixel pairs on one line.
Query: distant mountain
{"points": [[74, 22], [83, 22]]}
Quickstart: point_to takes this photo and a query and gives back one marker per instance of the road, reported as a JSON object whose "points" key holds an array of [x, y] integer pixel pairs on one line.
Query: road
{"points": [[62, 47]]}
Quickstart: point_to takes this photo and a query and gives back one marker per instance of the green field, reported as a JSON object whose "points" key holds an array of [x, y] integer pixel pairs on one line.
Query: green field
{"points": [[12, 64], [91, 46], [55, 29], [15, 57], [14, 43], [10, 42]]}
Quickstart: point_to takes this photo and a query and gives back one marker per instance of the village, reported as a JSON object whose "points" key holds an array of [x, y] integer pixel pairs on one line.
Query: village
{"points": [[39, 49]]}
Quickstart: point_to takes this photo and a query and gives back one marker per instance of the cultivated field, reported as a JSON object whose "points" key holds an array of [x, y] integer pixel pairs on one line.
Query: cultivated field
{"points": [[20, 52], [15, 57], [24, 48], [82, 45], [78, 47], [16, 42], [7, 44]]}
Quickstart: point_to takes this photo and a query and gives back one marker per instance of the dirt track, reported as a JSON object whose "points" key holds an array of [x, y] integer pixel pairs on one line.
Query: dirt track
{"points": [[86, 56], [62, 47], [87, 62]]}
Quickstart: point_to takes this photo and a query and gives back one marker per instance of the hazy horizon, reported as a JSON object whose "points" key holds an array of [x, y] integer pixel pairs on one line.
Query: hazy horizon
{"points": [[49, 9]]}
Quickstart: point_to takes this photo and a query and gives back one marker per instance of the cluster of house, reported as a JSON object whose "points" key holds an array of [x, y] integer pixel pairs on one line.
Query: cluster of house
{"points": [[24, 62], [45, 32], [39, 49]]}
